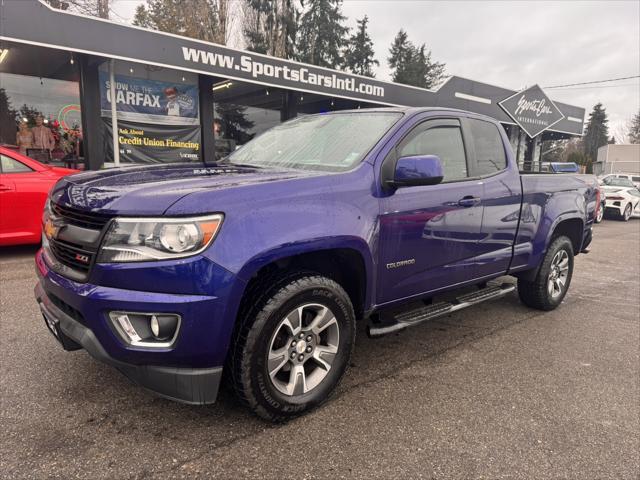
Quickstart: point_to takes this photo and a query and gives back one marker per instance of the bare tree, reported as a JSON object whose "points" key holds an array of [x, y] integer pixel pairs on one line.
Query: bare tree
{"points": [[207, 20], [94, 8]]}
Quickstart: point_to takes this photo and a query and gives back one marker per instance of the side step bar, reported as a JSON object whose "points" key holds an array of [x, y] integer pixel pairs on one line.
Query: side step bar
{"points": [[405, 319]]}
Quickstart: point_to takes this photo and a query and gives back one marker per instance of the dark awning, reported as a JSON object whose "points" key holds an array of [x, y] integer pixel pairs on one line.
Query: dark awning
{"points": [[36, 23]]}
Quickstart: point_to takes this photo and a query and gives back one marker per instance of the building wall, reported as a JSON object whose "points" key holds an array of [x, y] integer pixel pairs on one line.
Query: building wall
{"points": [[619, 158]]}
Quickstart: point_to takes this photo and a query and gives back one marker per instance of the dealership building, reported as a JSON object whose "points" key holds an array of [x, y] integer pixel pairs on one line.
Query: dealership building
{"points": [[180, 99]]}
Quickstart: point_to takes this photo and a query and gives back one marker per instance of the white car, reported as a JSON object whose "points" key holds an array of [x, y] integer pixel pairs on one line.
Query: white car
{"points": [[634, 177], [622, 198]]}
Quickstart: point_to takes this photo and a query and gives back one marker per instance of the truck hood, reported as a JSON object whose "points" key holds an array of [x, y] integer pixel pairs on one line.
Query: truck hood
{"points": [[151, 190]]}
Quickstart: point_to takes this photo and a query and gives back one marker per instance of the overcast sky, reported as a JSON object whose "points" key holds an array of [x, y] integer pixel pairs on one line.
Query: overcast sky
{"points": [[515, 44]]}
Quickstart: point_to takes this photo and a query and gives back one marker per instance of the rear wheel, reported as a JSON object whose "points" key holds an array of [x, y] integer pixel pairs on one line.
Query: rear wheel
{"points": [[552, 281], [600, 214], [293, 347], [626, 215]]}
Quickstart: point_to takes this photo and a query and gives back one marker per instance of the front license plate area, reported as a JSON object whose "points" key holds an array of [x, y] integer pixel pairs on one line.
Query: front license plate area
{"points": [[54, 327]]}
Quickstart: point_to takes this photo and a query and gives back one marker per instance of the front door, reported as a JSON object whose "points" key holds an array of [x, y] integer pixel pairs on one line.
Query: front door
{"points": [[429, 234]]}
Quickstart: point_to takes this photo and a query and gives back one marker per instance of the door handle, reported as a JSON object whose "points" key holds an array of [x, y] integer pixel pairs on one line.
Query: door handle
{"points": [[468, 201], [5, 188]]}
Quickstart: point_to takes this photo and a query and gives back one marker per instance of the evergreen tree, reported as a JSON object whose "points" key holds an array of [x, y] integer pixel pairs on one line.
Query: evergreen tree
{"points": [[634, 129], [235, 123], [322, 33], [400, 59], [270, 27], [596, 133], [201, 19], [413, 65], [359, 56], [8, 119]]}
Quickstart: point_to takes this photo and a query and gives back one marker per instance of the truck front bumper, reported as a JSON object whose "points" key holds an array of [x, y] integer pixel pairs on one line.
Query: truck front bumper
{"points": [[189, 372]]}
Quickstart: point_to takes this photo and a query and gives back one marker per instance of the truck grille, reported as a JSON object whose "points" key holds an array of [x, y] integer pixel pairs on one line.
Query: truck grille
{"points": [[93, 221], [76, 247], [73, 257]]}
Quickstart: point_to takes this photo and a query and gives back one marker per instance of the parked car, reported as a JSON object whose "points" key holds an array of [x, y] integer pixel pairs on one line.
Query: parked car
{"points": [[259, 265], [24, 186], [632, 177], [559, 167], [602, 205], [622, 198]]}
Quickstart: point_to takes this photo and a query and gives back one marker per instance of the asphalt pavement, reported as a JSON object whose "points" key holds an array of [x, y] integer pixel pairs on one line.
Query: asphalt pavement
{"points": [[495, 391]]}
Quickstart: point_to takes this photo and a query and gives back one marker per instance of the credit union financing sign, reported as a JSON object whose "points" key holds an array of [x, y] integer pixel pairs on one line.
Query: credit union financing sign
{"points": [[532, 110]]}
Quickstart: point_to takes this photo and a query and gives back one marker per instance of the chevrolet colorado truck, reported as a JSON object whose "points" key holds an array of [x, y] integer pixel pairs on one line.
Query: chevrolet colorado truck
{"points": [[257, 267]]}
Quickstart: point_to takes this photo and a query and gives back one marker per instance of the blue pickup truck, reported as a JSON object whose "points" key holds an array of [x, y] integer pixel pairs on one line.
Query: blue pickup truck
{"points": [[256, 268]]}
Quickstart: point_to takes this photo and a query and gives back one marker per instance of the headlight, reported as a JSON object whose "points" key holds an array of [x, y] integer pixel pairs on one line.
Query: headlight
{"points": [[143, 239]]}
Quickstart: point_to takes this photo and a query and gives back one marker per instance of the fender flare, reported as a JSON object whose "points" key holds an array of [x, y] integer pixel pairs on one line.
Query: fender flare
{"points": [[280, 252]]}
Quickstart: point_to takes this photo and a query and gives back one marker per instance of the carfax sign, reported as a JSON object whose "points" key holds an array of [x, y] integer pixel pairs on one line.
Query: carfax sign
{"points": [[150, 101], [532, 110]]}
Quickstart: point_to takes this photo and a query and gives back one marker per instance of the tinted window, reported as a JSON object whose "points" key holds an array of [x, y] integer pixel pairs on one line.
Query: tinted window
{"points": [[446, 143], [635, 179], [9, 165], [488, 147]]}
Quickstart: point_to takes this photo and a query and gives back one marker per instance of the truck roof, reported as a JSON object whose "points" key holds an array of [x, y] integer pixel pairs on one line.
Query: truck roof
{"points": [[412, 111]]}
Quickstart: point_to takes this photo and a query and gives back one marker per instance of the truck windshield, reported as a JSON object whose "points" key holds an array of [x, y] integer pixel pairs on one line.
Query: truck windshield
{"points": [[329, 142]]}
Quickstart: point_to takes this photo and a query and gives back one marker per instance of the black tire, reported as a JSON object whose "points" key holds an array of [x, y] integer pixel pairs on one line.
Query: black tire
{"points": [[626, 214], [259, 326], [536, 294]]}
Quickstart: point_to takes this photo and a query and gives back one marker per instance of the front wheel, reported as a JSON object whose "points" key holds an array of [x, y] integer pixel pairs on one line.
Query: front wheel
{"points": [[293, 347], [551, 283]]}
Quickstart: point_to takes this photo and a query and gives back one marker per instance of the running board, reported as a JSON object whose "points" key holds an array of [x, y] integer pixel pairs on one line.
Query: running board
{"points": [[405, 319]]}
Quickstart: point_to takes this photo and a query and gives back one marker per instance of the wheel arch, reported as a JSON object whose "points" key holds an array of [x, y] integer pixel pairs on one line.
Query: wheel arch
{"points": [[348, 261], [570, 226]]}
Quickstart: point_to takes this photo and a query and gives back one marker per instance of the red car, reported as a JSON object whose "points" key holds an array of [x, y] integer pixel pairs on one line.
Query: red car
{"points": [[24, 186]]}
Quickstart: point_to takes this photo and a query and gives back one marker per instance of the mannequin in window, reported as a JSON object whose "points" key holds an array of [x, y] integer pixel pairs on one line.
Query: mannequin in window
{"points": [[24, 137], [42, 135]]}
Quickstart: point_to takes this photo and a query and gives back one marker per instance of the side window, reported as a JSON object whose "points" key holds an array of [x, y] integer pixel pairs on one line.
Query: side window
{"points": [[9, 165], [445, 142], [488, 147]]}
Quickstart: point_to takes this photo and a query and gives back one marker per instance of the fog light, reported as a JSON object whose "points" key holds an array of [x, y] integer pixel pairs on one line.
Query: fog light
{"points": [[163, 327], [157, 330]]}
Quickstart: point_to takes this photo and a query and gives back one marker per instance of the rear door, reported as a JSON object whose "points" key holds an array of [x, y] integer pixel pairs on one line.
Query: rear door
{"points": [[501, 195], [429, 234]]}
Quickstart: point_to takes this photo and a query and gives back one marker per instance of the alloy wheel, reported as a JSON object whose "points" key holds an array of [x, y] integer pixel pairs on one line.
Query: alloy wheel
{"points": [[302, 349], [558, 274]]}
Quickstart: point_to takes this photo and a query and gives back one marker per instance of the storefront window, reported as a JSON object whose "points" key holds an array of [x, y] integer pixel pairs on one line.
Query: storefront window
{"points": [[158, 114], [242, 111], [40, 105]]}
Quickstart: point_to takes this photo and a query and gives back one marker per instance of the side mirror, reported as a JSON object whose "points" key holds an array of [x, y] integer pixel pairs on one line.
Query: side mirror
{"points": [[418, 170]]}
